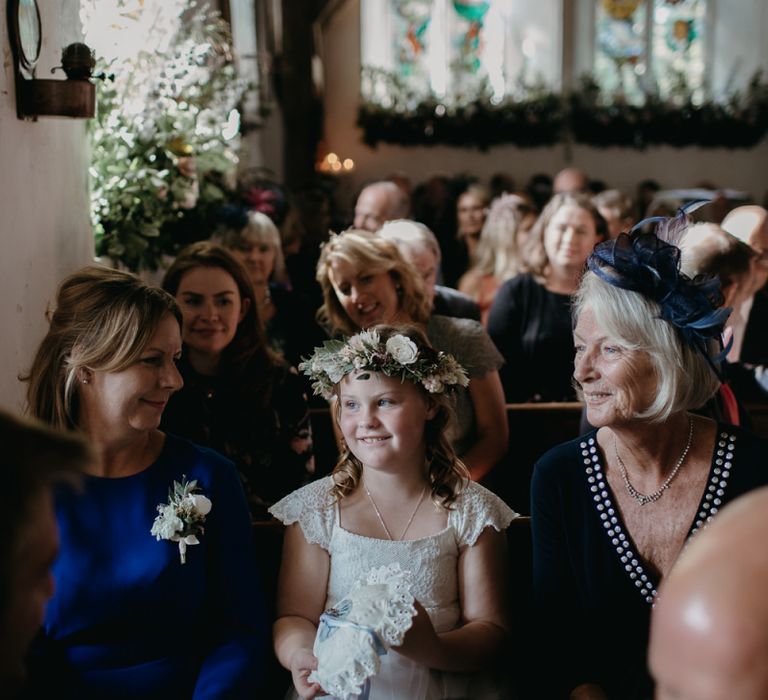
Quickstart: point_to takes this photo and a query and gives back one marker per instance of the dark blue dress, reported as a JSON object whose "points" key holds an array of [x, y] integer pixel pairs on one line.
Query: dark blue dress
{"points": [[593, 593], [128, 620]]}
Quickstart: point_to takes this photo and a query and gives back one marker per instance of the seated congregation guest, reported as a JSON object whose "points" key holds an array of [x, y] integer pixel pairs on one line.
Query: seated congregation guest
{"points": [[238, 397], [403, 506], [617, 209], [497, 257], [418, 246], [708, 250], [749, 224], [378, 203], [709, 630], [471, 210], [365, 281], [157, 593], [612, 510], [288, 320], [35, 459], [530, 319]]}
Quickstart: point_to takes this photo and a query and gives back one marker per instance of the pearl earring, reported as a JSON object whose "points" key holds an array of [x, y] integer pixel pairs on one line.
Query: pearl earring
{"points": [[85, 381]]}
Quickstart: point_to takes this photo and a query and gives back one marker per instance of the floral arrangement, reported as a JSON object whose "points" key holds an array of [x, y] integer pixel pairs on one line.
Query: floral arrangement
{"points": [[183, 517], [165, 140], [399, 356]]}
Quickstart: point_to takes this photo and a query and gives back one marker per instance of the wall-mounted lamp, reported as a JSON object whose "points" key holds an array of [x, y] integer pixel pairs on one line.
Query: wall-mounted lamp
{"points": [[334, 165], [73, 97]]}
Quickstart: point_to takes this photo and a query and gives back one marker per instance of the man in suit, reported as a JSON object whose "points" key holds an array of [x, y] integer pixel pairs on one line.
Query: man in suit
{"points": [[419, 246]]}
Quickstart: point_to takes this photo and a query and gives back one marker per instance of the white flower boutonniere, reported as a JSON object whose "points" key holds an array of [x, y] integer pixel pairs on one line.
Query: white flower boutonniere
{"points": [[182, 518]]}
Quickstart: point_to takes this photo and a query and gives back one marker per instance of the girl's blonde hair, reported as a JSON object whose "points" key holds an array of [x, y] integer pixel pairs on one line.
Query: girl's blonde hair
{"points": [[447, 474], [365, 251], [103, 320]]}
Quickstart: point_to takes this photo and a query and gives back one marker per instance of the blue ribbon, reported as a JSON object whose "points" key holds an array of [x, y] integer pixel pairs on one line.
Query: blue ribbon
{"points": [[330, 622]]}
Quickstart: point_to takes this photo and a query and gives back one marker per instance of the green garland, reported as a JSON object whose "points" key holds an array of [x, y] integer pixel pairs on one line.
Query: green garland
{"points": [[541, 118]]}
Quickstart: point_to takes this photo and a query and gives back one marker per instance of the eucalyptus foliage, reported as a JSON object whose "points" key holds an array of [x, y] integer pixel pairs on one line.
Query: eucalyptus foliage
{"points": [[164, 142]]}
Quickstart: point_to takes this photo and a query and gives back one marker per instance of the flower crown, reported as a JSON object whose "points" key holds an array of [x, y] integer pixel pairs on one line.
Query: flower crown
{"points": [[399, 356], [644, 263]]}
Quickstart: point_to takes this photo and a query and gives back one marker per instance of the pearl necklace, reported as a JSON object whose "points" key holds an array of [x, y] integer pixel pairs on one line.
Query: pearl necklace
{"points": [[381, 520], [643, 498]]}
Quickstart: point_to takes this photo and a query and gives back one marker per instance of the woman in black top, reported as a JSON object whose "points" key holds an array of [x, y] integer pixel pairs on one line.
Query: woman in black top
{"points": [[238, 397], [530, 319]]}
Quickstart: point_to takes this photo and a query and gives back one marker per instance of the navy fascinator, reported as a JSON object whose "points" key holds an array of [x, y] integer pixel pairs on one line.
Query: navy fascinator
{"points": [[640, 261]]}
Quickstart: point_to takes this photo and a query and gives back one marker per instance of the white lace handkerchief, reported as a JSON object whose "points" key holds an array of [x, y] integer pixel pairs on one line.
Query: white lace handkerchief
{"points": [[374, 616]]}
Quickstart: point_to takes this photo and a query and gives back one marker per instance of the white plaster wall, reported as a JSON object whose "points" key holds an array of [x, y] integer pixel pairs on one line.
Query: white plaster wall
{"points": [[620, 167], [44, 224]]}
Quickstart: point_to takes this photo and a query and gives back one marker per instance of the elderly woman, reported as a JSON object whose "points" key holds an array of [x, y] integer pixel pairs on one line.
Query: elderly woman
{"points": [[613, 509], [288, 322], [366, 281], [530, 319], [156, 590]]}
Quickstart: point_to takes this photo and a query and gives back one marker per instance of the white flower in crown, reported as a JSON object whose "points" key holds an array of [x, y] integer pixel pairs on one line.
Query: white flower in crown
{"points": [[402, 349], [365, 341], [432, 385]]}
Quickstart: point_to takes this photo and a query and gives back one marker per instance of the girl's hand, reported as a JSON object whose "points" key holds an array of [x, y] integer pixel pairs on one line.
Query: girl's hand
{"points": [[302, 662], [421, 641]]}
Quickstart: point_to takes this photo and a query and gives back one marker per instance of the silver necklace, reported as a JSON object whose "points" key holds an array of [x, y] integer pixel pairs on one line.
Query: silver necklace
{"points": [[381, 520], [643, 498]]}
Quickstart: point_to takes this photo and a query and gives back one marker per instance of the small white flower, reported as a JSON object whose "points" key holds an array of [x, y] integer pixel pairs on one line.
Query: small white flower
{"points": [[403, 349], [432, 385], [202, 504]]}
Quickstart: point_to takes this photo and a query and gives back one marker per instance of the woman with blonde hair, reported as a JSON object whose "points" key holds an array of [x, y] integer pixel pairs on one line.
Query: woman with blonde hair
{"points": [[497, 256], [366, 281], [157, 593]]}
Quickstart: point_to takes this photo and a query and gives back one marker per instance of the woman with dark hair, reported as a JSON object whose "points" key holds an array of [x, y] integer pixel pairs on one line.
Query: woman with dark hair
{"points": [[530, 319], [157, 594], [238, 397]]}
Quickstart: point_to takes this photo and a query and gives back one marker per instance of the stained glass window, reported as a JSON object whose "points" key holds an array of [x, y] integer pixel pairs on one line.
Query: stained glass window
{"points": [[650, 47], [459, 49]]}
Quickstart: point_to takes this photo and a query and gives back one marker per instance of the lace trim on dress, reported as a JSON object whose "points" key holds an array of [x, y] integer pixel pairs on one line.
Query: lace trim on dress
{"points": [[476, 509], [312, 507], [371, 618], [614, 529]]}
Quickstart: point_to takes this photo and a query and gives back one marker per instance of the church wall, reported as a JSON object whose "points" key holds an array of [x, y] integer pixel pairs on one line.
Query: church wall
{"points": [[44, 224]]}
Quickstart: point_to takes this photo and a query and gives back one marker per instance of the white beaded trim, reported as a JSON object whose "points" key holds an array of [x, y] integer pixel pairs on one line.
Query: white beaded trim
{"points": [[709, 506]]}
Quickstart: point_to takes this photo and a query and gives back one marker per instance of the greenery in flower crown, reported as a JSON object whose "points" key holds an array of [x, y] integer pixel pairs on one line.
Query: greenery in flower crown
{"points": [[164, 142], [399, 356]]}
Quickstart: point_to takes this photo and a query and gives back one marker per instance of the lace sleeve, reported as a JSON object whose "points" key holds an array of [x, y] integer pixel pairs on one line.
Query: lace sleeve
{"points": [[476, 509], [313, 508]]}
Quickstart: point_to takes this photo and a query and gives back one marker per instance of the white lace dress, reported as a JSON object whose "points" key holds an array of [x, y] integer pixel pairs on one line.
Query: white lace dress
{"points": [[433, 563]]}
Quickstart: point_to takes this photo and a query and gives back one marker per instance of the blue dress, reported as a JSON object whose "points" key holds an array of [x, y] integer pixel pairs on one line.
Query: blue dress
{"points": [[128, 620]]}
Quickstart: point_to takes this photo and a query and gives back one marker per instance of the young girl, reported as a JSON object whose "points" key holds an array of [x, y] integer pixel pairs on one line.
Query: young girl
{"points": [[397, 495]]}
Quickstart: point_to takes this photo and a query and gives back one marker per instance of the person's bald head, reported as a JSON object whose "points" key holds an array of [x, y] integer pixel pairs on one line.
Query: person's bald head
{"points": [[570, 180], [709, 628], [378, 203], [750, 224]]}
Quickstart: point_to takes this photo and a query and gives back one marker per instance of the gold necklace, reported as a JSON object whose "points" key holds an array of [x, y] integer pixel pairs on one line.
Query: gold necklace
{"points": [[643, 498], [381, 520]]}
